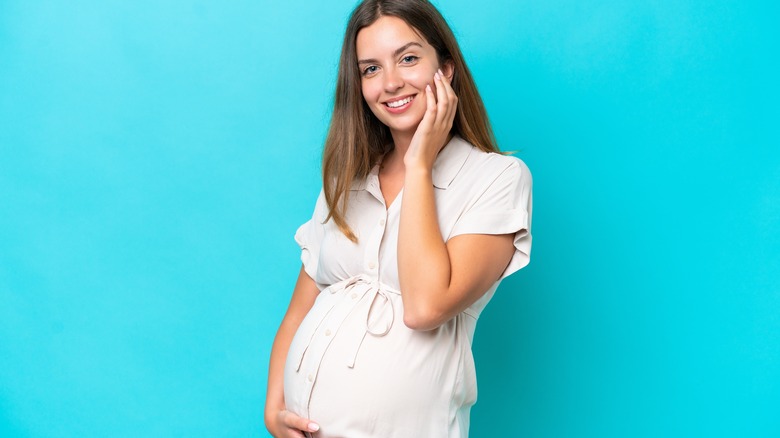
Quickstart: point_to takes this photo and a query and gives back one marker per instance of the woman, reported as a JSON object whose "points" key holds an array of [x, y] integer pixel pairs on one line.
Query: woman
{"points": [[418, 221]]}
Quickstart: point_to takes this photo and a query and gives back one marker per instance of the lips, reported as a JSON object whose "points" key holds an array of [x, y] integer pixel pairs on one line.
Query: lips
{"points": [[399, 105]]}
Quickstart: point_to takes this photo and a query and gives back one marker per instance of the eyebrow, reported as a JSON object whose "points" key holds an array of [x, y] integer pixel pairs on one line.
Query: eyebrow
{"points": [[397, 52]]}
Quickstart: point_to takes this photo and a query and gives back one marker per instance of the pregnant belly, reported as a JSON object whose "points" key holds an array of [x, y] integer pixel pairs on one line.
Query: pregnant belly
{"points": [[357, 370]]}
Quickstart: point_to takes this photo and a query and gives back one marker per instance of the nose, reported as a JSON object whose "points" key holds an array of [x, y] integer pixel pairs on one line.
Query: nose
{"points": [[392, 80]]}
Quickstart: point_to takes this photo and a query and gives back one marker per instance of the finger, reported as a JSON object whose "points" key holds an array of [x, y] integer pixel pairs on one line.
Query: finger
{"points": [[287, 430], [430, 109], [296, 422], [443, 99], [447, 81], [451, 96], [447, 85], [292, 433], [447, 117]]}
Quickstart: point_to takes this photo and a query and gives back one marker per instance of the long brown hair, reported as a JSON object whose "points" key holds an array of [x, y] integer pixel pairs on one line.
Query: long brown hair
{"points": [[357, 139]]}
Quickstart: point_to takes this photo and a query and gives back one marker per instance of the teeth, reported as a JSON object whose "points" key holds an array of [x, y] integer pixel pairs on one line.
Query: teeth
{"points": [[401, 102]]}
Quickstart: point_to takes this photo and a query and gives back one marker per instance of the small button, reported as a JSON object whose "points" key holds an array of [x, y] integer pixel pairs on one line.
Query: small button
{"points": [[354, 295], [371, 265], [327, 332], [311, 378], [381, 222]]}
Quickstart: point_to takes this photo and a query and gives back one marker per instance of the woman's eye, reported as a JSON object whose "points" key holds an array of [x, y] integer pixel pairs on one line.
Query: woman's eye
{"points": [[409, 59], [369, 70]]}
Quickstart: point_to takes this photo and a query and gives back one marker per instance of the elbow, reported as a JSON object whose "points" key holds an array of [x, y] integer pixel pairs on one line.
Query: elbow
{"points": [[422, 319]]}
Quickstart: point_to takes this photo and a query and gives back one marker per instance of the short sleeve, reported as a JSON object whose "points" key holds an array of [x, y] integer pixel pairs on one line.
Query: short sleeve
{"points": [[503, 207], [309, 237]]}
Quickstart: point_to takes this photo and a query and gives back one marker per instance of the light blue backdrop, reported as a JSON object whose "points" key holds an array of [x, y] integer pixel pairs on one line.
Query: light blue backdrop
{"points": [[157, 157]]}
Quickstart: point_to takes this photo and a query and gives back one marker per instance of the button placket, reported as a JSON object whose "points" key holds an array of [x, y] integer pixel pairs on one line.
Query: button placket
{"points": [[327, 328], [371, 255]]}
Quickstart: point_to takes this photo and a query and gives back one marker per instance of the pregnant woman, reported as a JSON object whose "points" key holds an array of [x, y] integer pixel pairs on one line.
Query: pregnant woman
{"points": [[418, 221]]}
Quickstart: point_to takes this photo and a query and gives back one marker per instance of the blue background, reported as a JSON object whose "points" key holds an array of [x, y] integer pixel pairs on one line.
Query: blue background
{"points": [[157, 157]]}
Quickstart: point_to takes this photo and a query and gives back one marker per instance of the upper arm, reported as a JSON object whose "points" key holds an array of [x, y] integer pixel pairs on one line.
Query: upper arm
{"points": [[303, 297], [476, 262], [490, 240]]}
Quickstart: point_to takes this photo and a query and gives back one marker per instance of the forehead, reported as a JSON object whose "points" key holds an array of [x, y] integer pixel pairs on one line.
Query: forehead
{"points": [[384, 36]]}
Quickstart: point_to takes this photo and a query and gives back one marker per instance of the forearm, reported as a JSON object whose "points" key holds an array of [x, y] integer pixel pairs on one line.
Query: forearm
{"points": [[302, 300], [274, 400], [423, 261], [424, 265]]}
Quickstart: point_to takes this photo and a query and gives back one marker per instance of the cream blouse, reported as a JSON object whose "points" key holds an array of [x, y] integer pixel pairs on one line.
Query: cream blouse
{"points": [[353, 366]]}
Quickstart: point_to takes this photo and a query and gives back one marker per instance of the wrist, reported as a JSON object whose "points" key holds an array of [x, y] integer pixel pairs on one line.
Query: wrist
{"points": [[271, 417], [417, 171]]}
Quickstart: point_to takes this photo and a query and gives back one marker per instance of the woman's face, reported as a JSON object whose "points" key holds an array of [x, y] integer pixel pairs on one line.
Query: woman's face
{"points": [[395, 65]]}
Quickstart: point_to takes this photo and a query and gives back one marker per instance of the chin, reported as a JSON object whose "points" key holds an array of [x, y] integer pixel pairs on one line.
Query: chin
{"points": [[403, 128], [402, 125]]}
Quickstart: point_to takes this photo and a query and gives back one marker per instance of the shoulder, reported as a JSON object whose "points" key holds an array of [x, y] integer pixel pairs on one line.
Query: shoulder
{"points": [[321, 207], [488, 166]]}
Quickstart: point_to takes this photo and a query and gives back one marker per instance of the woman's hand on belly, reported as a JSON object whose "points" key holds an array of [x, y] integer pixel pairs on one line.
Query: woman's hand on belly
{"points": [[278, 420], [289, 425]]}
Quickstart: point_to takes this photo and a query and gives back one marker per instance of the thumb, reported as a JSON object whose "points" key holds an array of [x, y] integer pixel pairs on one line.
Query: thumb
{"points": [[296, 422]]}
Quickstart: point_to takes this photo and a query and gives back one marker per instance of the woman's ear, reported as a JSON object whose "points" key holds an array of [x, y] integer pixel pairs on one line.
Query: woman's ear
{"points": [[448, 69]]}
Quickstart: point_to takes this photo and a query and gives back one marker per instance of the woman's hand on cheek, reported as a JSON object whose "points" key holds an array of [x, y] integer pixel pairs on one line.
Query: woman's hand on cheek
{"points": [[432, 133]]}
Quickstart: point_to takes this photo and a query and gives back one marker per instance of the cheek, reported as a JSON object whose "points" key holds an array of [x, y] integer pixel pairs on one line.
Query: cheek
{"points": [[370, 96], [370, 92], [419, 78]]}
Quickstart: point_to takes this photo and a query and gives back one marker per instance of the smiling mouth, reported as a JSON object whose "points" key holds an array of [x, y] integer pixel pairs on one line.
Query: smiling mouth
{"points": [[399, 103]]}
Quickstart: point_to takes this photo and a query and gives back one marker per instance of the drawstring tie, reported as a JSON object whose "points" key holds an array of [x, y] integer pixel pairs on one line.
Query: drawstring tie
{"points": [[350, 296], [382, 310]]}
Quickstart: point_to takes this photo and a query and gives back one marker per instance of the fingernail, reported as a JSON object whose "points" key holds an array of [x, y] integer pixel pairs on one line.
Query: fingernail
{"points": [[428, 87], [436, 76], [441, 72], [314, 427]]}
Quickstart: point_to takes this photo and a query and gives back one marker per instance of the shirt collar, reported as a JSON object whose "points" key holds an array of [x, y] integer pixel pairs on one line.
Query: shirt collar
{"points": [[446, 167], [450, 161]]}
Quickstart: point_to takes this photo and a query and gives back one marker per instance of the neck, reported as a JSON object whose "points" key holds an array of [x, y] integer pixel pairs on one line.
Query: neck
{"points": [[394, 159], [401, 142]]}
